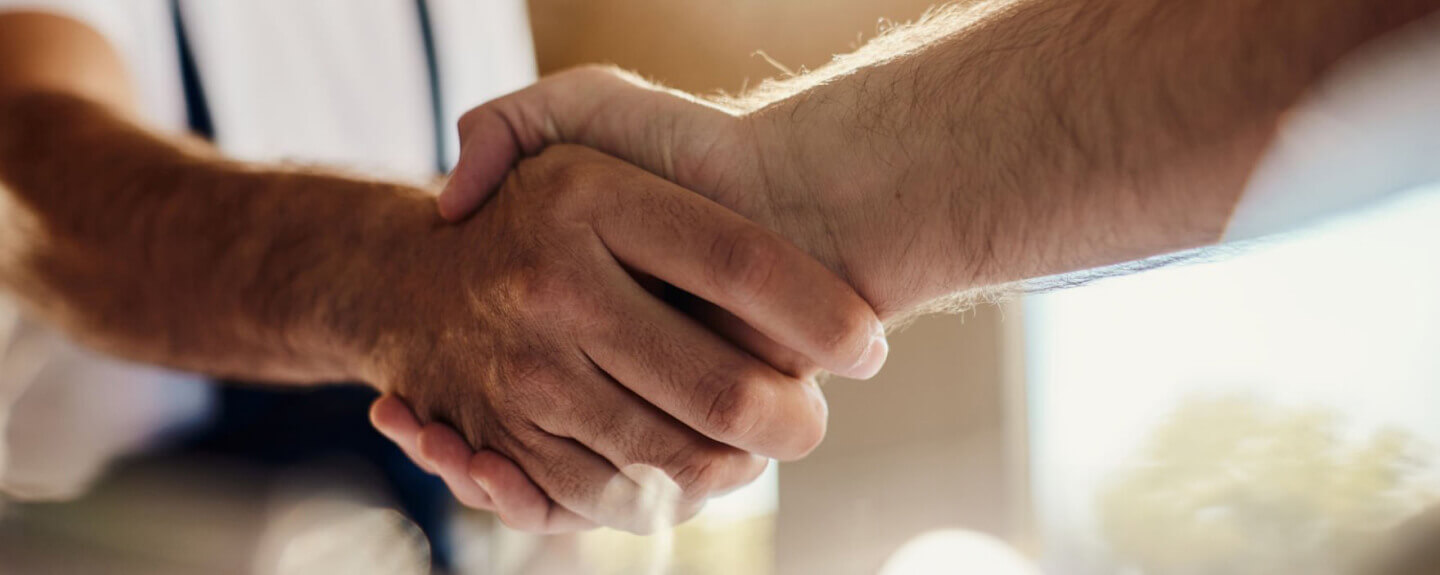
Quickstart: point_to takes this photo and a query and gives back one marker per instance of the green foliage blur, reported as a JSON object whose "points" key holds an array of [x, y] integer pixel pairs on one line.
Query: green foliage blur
{"points": [[1238, 486]]}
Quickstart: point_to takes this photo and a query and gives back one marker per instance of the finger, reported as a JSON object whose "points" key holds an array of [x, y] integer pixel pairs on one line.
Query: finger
{"points": [[520, 504], [488, 151], [394, 420], [736, 331], [698, 378], [719, 256], [448, 453], [628, 432], [497, 484], [595, 106], [584, 482]]}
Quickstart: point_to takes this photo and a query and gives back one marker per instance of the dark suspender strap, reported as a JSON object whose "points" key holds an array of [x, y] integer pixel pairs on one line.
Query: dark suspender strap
{"points": [[197, 108], [437, 101]]}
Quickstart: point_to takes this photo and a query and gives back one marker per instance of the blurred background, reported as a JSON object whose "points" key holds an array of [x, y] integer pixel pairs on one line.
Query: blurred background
{"points": [[1270, 409]]}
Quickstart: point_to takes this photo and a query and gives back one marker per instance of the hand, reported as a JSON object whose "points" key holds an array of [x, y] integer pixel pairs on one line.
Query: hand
{"points": [[530, 337], [702, 147], [795, 175]]}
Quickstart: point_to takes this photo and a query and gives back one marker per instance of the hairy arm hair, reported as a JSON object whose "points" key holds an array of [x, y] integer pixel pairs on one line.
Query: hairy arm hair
{"points": [[154, 248], [1065, 141]]}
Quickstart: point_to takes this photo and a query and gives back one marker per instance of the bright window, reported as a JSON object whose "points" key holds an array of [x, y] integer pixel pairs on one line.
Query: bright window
{"points": [[1267, 412]]}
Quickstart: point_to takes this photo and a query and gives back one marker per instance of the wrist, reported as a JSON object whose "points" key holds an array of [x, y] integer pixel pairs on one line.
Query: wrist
{"points": [[332, 286], [851, 196], [382, 307]]}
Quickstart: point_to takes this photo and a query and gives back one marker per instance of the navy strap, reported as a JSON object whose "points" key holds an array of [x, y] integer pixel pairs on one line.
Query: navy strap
{"points": [[437, 101], [197, 108]]}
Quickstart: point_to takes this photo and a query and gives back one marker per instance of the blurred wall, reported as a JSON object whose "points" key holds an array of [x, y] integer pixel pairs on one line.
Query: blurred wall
{"points": [[706, 45], [937, 440]]}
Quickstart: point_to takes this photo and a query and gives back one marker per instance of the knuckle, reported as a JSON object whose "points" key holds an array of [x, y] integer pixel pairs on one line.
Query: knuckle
{"points": [[707, 470], [569, 175], [849, 333], [549, 289], [518, 441], [469, 119], [545, 388], [527, 389], [737, 406], [744, 263], [587, 420], [566, 169], [698, 473], [568, 180], [523, 367]]}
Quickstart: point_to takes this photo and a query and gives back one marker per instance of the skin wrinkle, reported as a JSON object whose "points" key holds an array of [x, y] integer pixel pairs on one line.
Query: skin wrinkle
{"points": [[556, 427], [732, 188], [612, 423], [667, 145], [780, 219], [570, 483]]}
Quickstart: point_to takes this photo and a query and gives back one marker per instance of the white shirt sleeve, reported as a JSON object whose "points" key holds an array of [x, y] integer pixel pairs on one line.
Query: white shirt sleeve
{"points": [[1369, 131], [143, 33]]}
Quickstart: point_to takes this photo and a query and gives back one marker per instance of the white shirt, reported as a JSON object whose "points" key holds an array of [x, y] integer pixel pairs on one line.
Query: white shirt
{"points": [[338, 82], [1369, 131]]}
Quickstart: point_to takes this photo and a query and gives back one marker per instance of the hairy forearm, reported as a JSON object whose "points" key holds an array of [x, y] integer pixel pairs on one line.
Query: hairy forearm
{"points": [[159, 251], [1017, 139]]}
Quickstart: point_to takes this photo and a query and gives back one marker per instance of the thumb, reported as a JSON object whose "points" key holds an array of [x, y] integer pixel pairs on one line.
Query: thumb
{"points": [[663, 131]]}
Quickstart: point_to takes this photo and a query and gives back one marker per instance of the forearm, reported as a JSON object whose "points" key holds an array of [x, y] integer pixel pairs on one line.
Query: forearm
{"points": [[1037, 137], [159, 251]]}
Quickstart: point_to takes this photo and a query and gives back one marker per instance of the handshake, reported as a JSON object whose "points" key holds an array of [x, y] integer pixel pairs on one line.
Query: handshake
{"points": [[652, 283], [638, 321], [629, 293]]}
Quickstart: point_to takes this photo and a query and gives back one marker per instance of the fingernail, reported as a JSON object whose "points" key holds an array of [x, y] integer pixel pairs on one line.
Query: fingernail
{"points": [[873, 359]]}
